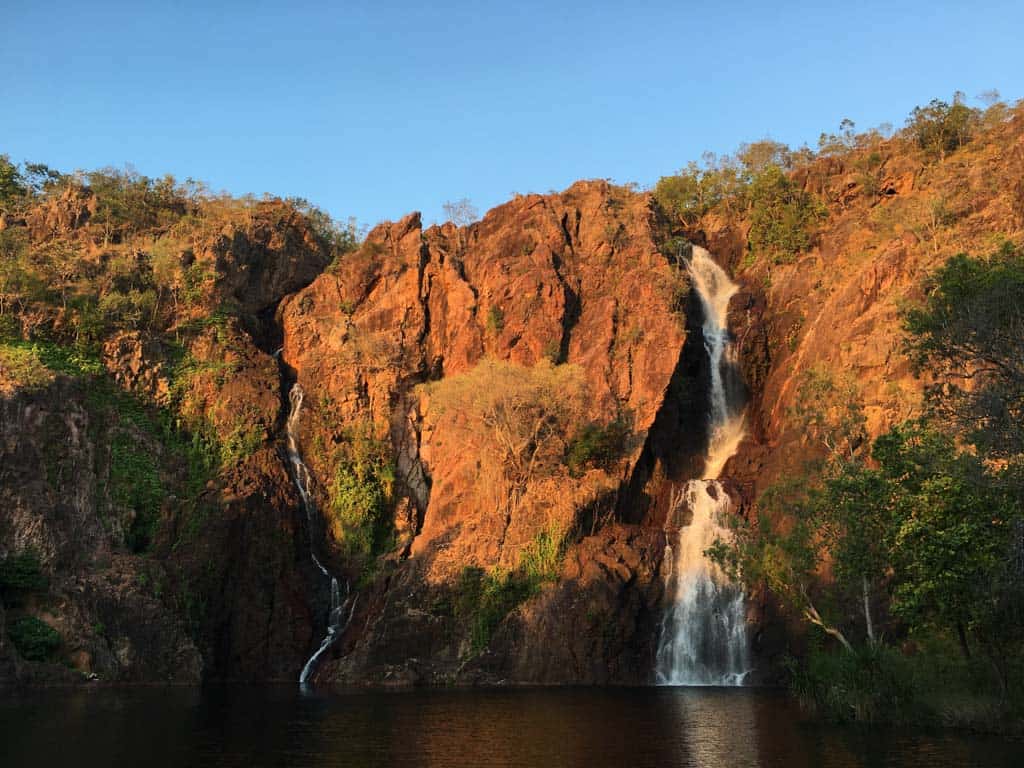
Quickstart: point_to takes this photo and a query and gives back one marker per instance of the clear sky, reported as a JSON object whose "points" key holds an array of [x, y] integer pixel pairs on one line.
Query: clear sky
{"points": [[374, 109]]}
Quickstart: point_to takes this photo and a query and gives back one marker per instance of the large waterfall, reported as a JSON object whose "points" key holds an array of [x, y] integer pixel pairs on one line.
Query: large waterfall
{"points": [[336, 621], [703, 636]]}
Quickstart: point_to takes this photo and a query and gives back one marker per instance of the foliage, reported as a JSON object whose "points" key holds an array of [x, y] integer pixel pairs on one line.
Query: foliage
{"points": [[940, 128], [955, 537], [597, 445], [128, 202], [519, 417], [485, 598], [245, 437], [135, 484], [360, 494], [871, 684], [21, 183], [35, 639], [541, 559], [782, 215], [22, 365], [461, 213], [495, 320], [21, 574], [969, 334], [930, 526], [698, 188], [689, 194]]}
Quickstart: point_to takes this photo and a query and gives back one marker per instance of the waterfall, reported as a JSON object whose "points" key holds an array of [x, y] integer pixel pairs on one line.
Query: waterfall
{"points": [[703, 635], [336, 619]]}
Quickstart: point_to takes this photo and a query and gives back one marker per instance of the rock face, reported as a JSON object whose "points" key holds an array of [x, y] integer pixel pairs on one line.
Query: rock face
{"points": [[53, 473], [836, 308], [555, 576], [573, 278], [199, 581]]}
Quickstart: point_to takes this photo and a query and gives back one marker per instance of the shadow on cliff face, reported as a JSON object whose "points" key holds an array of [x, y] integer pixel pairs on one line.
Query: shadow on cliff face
{"points": [[595, 625], [71, 506], [674, 448]]}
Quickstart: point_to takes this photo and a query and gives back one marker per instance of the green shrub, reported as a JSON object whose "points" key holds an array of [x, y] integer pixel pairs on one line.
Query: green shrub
{"points": [[10, 329], [244, 439], [360, 494], [782, 215], [21, 574], [597, 445], [541, 559], [484, 598], [22, 364], [495, 320], [35, 640], [872, 684]]}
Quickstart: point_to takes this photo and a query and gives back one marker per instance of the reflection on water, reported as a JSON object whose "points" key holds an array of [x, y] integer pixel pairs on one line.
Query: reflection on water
{"points": [[266, 726]]}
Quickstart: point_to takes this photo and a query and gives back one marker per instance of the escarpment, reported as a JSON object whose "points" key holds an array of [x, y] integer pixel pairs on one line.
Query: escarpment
{"points": [[496, 419]]}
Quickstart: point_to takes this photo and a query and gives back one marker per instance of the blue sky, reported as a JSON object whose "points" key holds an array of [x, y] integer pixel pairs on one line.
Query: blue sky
{"points": [[373, 109]]}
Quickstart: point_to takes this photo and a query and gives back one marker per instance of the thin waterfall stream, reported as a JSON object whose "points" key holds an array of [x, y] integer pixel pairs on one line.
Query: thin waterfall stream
{"points": [[337, 620], [704, 634]]}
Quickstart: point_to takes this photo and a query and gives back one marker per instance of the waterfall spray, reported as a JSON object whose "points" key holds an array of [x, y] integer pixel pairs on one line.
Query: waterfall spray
{"points": [[703, 635], [337, 620]]}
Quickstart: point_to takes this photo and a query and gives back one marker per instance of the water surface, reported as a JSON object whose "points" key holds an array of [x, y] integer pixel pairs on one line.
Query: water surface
{"points": [[278, 726]]}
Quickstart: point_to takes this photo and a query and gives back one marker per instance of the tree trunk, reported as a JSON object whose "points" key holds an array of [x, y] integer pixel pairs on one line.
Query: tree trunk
{"points": [[867, 611], [812, 615], [961, 634]]}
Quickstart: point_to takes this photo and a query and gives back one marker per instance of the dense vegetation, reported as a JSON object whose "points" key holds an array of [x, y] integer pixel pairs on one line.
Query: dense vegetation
{"points": [[761, 183], [138, 302], [921, 534]]}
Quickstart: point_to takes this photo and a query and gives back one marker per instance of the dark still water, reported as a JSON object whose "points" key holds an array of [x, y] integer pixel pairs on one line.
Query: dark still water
{"points": [[263, 726]]}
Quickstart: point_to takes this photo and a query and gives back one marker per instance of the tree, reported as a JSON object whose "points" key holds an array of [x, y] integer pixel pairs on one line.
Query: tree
{"points": [[520, 418], [758, 156], [940, 127], [461, 213], [969, 335], [12, 184], [821, 521]]}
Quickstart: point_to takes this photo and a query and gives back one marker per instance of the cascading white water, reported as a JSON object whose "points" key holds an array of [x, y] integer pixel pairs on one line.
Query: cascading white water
{"points": [[336, 621], [703, 635]]}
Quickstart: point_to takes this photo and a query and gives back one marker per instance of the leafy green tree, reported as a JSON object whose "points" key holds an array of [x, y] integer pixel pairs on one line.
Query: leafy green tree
{"points": [[759, 156], [823, 521], [940, 127], [12, 184], [952, 535], [969, 335], [700, 188]]}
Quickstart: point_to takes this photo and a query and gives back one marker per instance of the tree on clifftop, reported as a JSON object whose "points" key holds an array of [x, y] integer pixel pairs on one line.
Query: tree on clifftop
{"points": [[461, 213]]}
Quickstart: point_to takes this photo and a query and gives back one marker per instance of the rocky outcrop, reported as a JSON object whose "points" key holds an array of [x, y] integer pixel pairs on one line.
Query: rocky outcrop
{"points": [[177, 581], [572, 278]]}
